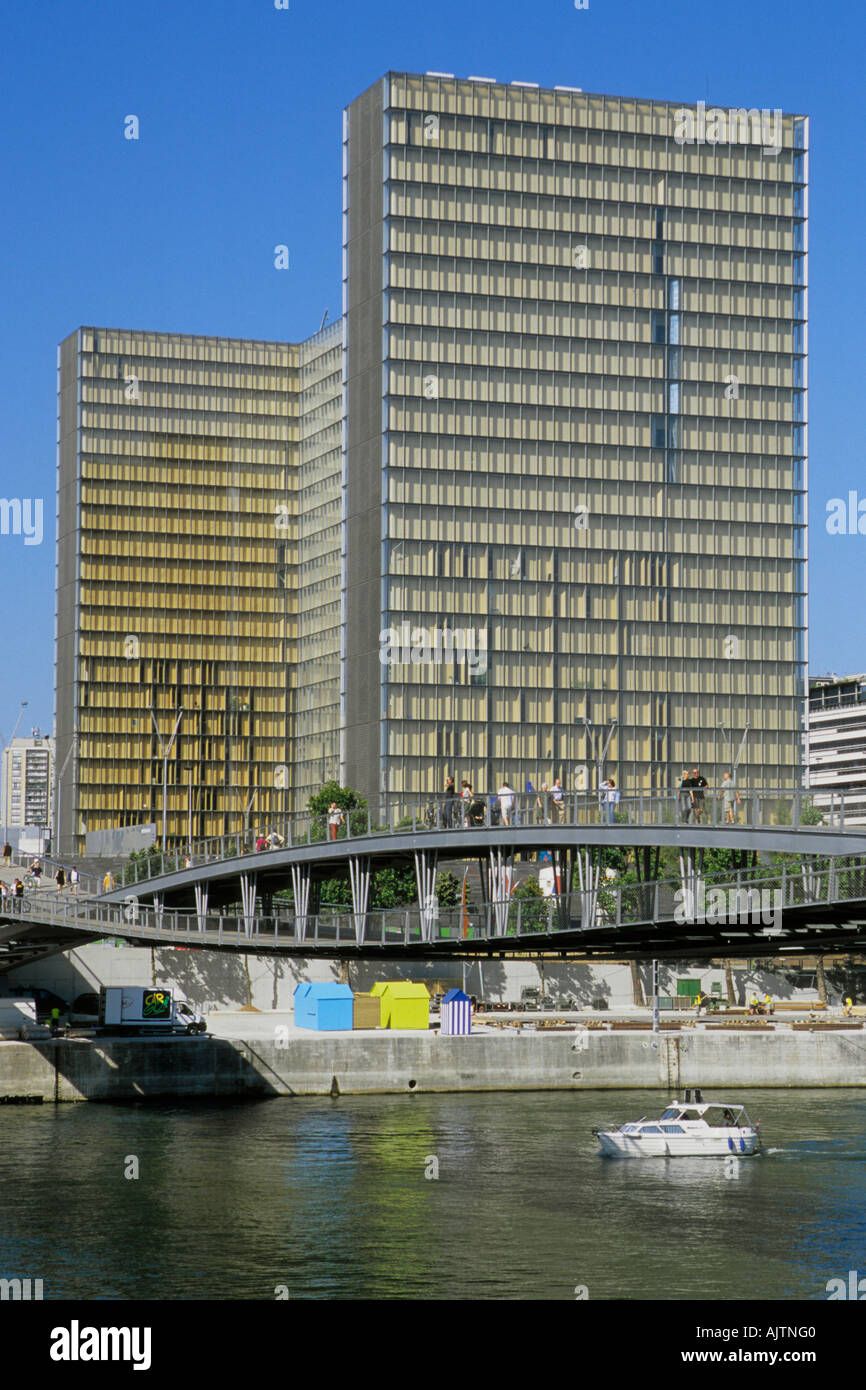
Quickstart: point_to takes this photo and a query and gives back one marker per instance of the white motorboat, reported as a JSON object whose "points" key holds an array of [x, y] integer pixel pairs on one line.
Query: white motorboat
{"points": [[686, 1129]]}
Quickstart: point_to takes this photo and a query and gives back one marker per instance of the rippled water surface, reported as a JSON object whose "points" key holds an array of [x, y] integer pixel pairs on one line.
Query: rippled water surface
{"points": [[330, 1199]]}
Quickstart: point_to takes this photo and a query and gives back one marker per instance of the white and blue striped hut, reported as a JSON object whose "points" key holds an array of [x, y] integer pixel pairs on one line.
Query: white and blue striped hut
{"points": [[456, 1014]]}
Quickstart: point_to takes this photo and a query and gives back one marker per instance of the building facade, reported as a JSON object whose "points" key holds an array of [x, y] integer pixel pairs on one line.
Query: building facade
{"points": [[837, 744], [576, 435], [176, 586], [538, 496], [26, 784]]}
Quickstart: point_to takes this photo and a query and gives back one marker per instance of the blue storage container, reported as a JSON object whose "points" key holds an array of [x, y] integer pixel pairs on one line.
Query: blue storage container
{"points": [[324, 1006]]}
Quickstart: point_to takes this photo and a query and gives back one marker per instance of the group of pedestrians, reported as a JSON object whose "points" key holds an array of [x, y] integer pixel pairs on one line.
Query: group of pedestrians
{"points": [[271, 841], [466, 808], [691, 792]]}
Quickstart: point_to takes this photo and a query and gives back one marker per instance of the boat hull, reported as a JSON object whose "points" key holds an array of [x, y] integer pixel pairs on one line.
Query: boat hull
{"points": [[725, 1144]]}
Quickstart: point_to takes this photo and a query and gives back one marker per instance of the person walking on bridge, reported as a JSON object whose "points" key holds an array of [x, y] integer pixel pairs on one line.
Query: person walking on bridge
{"points": [[7, 855], [698, 782], [506, 802], [60, 878]]}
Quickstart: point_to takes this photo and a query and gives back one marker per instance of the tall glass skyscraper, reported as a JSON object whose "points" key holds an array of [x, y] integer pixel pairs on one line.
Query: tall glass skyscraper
{"points": [[576, 430]]}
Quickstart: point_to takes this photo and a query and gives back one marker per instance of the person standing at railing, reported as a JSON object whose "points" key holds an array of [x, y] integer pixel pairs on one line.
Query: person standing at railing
{"points": [[543, 803], [449, 810], [557, 796], [685, 801], [730, 799], [467, 798], [18, 889], [335, 819], [610, 798]]}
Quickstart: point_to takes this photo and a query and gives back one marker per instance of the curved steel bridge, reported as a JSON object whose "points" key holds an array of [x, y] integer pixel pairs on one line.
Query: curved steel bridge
{"points": [[220, 894]]}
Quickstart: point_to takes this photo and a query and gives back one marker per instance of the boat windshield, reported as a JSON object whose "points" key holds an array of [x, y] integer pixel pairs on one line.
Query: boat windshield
{"points": [[672, 1113]]}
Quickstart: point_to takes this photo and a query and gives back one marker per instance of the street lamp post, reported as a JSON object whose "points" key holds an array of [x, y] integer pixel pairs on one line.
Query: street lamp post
{"points": [[165, 754], [734, 763], [598, 758]]}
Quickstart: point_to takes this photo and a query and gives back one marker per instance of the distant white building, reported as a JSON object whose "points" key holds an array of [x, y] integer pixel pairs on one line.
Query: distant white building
{"points": [[837, 743], [26, 791]]}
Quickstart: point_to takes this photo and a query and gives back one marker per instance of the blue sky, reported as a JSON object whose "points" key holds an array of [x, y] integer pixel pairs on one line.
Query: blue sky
{"points": [[240, 123]]}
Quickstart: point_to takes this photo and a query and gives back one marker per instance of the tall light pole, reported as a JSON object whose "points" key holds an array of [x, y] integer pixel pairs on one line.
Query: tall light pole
{"points": [[6, 745], [598, 758], [734, 763], [58, 799], [165, 753]]}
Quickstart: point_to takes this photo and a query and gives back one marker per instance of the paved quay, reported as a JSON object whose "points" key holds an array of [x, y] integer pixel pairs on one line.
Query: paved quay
{"points": [[248, 1054]]}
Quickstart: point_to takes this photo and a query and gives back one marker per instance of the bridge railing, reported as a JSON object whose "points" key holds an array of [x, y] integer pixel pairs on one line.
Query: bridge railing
{"points": [[759, 899], [717, 807]]}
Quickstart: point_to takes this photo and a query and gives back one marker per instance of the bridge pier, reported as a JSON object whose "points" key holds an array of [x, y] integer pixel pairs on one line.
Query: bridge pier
{"points": [[500, 872], [426, 866], [248, 902], [359, 879], [301, 890], [589, 873], [201, 896], [690, 877]]}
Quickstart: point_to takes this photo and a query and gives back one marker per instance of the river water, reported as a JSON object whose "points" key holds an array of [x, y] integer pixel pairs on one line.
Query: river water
{"points": [[338, 1199]]}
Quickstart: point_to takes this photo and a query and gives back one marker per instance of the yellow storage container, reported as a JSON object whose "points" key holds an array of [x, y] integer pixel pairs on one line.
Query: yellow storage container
{"points": [[405, 1005]]}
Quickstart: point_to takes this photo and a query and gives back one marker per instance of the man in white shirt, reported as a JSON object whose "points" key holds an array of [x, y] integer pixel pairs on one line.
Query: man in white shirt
{"points": [[506, 802], [557, 796]]}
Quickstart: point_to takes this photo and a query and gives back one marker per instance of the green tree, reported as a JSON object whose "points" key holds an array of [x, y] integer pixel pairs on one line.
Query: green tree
{"points": [[394, 888], [534, 910], [448, 890]]}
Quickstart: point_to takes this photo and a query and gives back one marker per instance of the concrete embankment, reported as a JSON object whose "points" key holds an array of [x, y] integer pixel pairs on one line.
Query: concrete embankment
{"points": [[402, 1063]]}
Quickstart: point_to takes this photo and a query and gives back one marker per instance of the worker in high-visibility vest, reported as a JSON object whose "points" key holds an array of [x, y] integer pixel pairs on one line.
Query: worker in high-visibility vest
{"points": [[849, 1004]]}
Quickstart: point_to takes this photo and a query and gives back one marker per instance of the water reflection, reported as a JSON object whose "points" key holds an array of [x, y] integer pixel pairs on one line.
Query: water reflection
{"points": [[332, 1198]]}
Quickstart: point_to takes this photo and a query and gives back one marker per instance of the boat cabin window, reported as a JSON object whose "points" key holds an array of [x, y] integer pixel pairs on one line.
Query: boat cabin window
{"points": [[672, 1114], [651, 1129], [689, 1115], [720, 1117], [672, 1129]]}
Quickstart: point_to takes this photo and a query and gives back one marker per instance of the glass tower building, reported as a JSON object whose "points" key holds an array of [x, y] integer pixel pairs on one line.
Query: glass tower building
{"points": [[575, 434]]}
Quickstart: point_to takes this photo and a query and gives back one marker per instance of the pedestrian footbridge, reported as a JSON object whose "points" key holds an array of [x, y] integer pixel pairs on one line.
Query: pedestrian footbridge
{"points": [[225, 894]]}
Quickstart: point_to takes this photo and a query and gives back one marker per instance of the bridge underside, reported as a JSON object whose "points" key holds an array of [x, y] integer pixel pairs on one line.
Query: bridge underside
{"points": [[807, 931]]}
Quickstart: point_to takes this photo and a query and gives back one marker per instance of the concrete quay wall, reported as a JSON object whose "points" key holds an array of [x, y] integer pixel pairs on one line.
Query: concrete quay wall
{"points": [[386, 1063]]}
